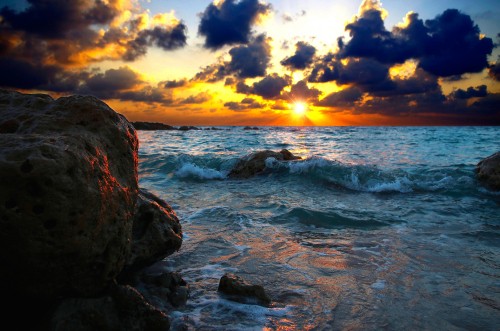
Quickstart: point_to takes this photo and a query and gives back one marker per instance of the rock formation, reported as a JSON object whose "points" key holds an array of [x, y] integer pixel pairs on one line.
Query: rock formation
{"points": [[71, 214], [237, 289], [255, 163], [156, 231], [152, 126], [123, 308], [488, 171]]}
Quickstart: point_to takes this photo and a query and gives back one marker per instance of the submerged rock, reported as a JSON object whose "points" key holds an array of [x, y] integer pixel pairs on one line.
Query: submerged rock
{"points": [[68, 172], [255, 163], [488, 171], [237, 288]]}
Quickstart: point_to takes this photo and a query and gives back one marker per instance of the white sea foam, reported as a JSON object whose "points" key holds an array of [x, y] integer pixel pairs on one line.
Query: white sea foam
{"points": [[192, 170]]}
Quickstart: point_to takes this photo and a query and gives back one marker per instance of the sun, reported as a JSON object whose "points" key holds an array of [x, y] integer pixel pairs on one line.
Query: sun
{"points": [[299, 108]]}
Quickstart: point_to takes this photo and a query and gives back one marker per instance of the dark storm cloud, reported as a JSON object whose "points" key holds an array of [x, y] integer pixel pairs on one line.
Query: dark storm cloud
{"points": [[64, 34], [165, 38], [448, 45], [114, 80], [301, 92], [419, 82], [24, 75], [494, 70], [344, 98], [54, 18], [230, 22], [175, 83], [252, 60], [270, 87], [244, 105], [247, 61], [196, 99], [122, 84], [369, 74], [303, 57], [456, 46], [471, 92], [147, 94]]}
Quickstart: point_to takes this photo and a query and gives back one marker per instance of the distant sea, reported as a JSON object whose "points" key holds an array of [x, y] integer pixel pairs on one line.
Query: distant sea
{"points": [[377, 228]]}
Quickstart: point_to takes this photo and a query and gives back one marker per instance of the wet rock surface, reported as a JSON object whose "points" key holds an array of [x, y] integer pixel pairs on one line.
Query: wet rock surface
{"points": [[255, 163], [488, 172], [156, 231], [72, 217], [68, 174], [123, 308], [236, 288]]}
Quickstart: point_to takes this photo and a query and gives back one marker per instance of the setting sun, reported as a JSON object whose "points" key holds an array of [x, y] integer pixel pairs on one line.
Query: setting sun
{"points": [[299, 108]]}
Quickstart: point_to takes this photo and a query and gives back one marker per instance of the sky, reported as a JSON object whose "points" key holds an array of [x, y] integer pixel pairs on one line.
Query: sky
{"points": [[251, 62]]}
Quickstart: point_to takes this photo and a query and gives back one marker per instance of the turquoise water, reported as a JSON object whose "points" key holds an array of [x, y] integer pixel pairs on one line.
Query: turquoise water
{"points": [[377, 228]]}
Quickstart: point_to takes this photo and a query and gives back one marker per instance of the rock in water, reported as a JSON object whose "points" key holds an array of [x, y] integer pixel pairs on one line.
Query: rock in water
{"points": [[235, 287], [255, 163], [68, 173], [156, 231], [488, 171]]}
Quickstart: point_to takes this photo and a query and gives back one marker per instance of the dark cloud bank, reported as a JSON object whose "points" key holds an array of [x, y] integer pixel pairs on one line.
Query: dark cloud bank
{"points": [[38, 47], [41, 46], [446, 47]]}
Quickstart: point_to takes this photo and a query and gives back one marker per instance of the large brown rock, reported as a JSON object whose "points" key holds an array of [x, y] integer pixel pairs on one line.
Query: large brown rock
{"points": [[122, 308], [68, 178], [156, 231], [255, 163], [488, 171]]}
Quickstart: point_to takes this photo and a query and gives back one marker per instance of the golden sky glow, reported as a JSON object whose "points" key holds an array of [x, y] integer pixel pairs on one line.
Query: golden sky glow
{"points": [[287, 63]]}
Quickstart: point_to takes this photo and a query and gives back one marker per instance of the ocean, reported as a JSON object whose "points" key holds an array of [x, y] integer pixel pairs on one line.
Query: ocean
{"points": [[376, 228]]}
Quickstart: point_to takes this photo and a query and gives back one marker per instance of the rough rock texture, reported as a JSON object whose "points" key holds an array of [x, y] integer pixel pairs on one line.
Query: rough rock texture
{"points": [[166, 287], [255, 163], [68, 173], [124, 308], [488, 171], [156, 231], [237, 288]]}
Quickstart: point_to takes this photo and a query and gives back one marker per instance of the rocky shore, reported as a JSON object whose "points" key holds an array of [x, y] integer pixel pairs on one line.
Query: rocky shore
{"points": [[77, 231], [74, 225]]}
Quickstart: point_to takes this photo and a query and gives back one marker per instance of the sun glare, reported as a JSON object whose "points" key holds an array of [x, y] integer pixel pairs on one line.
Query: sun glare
{"points": [[299, 108]]}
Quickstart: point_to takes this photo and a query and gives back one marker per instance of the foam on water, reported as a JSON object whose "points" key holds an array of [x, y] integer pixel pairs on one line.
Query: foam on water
{"points": [[189, 170], [374, 228]]}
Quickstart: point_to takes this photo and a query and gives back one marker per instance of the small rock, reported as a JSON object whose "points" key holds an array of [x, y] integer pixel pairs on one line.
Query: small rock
{"points": [[488, 171], [237, 288], [255, 163]]}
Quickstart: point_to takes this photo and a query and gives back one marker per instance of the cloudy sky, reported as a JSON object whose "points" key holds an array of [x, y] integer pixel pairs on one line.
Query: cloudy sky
{"points": [[251, 62]]}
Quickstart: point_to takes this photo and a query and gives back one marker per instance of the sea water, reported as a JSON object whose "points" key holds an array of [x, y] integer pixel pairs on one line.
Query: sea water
{"points": [[376, 228]]}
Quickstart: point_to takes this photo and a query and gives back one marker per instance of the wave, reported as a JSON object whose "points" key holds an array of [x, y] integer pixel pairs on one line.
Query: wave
{"points": [[330, 173], [370, 178], [326, 219], [189, 170]]}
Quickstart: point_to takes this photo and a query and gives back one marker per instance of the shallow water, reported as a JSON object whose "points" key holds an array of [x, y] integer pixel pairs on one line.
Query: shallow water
{"points": [[376, 228]]}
